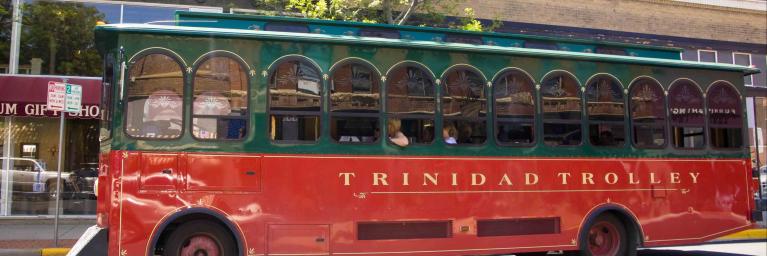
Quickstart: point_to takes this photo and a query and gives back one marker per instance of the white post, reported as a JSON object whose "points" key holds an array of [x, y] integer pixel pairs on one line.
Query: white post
{"points": [[13, 62], [7, 186], [58, 180]]}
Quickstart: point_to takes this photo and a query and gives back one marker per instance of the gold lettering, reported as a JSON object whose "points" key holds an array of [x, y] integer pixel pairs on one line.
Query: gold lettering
{"points": [[346, 176], [505, 179], [474, 181], [587, 178], [564, 176], [631, 179], [380, 179], [652, 179], [430, 178], [675, 178], [694, 176], [455, 179], [533, 181], [405, 179], [611, 178]]}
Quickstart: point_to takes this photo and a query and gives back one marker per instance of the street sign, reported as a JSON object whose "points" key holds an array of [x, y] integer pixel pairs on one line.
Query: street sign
{"points": [[57, 95], [74, 98], [64, 97]]}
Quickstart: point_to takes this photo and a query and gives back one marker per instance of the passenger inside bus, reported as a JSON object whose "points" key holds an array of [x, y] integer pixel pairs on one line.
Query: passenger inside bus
{"points": [[449, 132], [395, 135]]}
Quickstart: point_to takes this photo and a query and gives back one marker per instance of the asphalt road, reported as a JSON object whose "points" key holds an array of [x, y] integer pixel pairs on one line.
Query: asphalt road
{"points": [[754, 248]]}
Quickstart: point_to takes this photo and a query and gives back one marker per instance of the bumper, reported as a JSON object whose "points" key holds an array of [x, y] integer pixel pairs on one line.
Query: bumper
{"points": [[92, 242]]}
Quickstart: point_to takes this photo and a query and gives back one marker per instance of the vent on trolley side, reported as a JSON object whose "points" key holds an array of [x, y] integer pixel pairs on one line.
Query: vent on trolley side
{"points": [[404, 230], [516, 227]]}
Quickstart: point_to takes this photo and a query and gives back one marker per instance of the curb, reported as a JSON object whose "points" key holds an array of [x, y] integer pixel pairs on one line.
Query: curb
{"points": [[751, 234], [35, 252]]}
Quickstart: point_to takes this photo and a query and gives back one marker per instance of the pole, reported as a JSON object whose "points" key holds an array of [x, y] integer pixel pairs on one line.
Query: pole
{"points": [[58, 181], [13, 62]]}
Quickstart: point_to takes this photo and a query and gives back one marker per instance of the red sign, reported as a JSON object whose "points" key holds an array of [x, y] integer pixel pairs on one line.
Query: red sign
{"points": [[56, 95], [25, 95]]}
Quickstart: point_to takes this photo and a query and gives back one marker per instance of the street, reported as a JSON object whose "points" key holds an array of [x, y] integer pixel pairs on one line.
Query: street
{"points": [[712, 249]]}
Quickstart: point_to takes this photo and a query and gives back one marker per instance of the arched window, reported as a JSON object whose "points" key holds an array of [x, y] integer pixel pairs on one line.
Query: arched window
{"points": [[514, 93], [725, 116], [648, 113], [410, 98], [220, 104], [464, 107], [685, 102], [154, 108], [355, 103], [561, 106], [606, 110], [295, 86]]}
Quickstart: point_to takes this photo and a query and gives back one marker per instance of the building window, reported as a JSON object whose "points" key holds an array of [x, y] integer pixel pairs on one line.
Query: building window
{"points": [[154, 97], [464, 107], [561, 106], [355, 103], [725, 116], [220, 107], [410, 98], [647, 113], [294, 101], [687, 116], [707, 56], [514, 97], [606, 110], [744, 59]]}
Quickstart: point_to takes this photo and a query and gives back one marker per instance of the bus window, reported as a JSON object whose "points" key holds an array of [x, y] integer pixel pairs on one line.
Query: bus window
{"points": [[686, 110], [561, 106], [220, 107], [605, 108], [648, 113], [154, 98], [410, 97], [464, 107], [294, 101], [725, 116], [514, 93], [354, 103]]}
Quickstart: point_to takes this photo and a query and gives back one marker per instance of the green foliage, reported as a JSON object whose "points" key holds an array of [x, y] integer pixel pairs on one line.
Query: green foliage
{"points": [[5, 30], [61, 33]]}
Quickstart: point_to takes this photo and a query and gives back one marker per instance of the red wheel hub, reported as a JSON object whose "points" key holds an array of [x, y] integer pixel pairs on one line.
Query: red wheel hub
{"points": [[200, 245], [604, 239]]}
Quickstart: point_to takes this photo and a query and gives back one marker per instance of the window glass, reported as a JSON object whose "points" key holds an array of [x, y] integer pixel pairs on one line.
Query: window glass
{"points": [[744, 59], [561, 105], [107, 83], [220, 106], [686, 114], [355, 103], [514, 108], [707, 56], [410, 97], [648, 113], [154, 98], [725, 116], [464, 107], [294, 101], [605, 107]]}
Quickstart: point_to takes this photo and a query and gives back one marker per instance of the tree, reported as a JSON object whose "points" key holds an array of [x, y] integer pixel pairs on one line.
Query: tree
{"points": [[399, 12], [5, 30], [61, 33]]}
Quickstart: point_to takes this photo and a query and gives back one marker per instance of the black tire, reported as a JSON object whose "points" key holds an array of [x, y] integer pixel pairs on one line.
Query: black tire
{"points": [[182, 237], [606, 235]]}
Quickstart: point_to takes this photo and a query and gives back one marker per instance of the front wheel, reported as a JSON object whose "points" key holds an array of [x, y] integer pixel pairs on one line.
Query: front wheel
{"points": [[200, 238], [606, 236]]}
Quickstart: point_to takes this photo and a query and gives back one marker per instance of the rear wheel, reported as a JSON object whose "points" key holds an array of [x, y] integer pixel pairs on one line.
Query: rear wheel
{"points": [[605, 236], [200, 238]]}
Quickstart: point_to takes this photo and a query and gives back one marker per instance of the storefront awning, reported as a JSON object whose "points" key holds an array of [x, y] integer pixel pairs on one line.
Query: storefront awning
{"points": [[26, 95]]}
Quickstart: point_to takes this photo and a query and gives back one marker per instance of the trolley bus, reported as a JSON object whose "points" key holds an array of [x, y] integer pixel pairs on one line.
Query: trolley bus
{"points": [[250, 135]]}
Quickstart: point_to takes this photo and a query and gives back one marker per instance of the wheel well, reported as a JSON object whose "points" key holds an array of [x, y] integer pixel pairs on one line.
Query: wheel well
{"points": [[628, 221], [177, 222]]}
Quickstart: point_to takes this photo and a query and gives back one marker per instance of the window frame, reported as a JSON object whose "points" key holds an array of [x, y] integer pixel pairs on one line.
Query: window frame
{"points": [[671, 123], [270, 71], [665, 122], [716, 55], [536, 102], [387, 115], [184, 91], [589, 122], [743, 132], [381, 89], [245, 68], [443, 88], [750, 62], [107, 95], [580, 121]]}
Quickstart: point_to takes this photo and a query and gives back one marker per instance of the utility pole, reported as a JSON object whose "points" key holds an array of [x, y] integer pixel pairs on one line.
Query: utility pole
{"points": [[13, 63], [13, 68]]}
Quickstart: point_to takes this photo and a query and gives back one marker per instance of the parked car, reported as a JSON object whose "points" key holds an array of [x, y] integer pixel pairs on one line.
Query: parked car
{"points": [[30, 178]]}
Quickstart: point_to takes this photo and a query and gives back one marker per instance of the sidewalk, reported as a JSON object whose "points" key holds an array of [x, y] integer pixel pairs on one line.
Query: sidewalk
{"points": [[35, 233]]}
